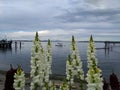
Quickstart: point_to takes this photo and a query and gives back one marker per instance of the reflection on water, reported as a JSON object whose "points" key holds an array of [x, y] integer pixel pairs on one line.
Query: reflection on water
{"points": [[20, 55], [3, 50]]}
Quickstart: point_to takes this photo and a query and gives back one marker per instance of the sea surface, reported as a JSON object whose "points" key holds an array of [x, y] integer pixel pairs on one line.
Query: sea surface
{"points": [[108, 61]]}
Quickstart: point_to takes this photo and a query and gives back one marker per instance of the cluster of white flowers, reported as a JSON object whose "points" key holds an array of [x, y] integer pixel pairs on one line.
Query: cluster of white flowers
{"points": [[53, 87], [41, 61], [74, 64], [49, 86], [48, 61], [64, 86], [69, 71], [19, 79], [36, 67], [94, 78]]}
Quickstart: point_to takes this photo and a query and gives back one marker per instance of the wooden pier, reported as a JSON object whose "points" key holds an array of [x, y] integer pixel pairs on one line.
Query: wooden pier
{"points": [[109, 44], [5, 44]]}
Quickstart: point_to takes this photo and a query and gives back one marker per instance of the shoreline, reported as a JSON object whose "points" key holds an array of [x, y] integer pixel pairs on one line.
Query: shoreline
{"points": [[2, 79], [52, 76], [57, 79]]}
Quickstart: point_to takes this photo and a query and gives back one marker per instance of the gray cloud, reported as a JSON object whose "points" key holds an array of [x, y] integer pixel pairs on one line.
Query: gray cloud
{"points": [[27, 14], [61, 17], [106, 15], [91, 17]]}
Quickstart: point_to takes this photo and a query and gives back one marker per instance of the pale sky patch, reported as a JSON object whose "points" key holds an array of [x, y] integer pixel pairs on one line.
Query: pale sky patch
{"points": [[64, 35]]}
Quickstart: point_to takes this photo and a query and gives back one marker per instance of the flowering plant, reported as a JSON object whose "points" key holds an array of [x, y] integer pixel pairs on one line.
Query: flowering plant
{"points": [[19, 79], [74, 65], [94, 79]]}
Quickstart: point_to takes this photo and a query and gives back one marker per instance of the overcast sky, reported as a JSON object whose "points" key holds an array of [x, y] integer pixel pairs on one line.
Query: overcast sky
{"points": [[60, 19]]}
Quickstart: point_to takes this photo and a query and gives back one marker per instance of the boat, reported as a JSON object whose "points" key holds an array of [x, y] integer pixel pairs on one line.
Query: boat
{"points": [[59, 44]]}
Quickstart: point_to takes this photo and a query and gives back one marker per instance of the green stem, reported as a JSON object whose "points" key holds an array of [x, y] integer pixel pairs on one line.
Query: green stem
{"points": [[81, 85]]}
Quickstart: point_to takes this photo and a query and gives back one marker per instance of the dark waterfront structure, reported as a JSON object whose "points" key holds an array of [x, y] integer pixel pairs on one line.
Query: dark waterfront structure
{"points": [[5, 44]]}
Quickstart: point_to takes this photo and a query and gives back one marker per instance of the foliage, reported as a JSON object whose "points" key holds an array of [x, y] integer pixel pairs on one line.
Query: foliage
{"points": [[114, 82], [10, 79]]}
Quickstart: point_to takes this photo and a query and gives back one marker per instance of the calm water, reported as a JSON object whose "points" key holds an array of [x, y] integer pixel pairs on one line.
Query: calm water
{"points": [[21, 56]]}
